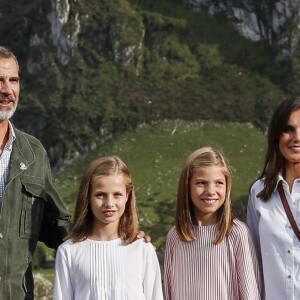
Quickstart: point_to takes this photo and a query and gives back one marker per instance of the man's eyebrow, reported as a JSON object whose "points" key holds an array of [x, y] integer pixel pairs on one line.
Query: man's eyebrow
{"points": [[16, 76], [11, 77]]}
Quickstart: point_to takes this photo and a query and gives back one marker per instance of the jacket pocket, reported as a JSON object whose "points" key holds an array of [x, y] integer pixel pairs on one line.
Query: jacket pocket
{"points": [[33, 203]]}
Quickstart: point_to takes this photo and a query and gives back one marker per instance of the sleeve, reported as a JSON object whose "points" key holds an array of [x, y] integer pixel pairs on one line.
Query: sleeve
{"points": [[248, 274], [253, 224], [152, 277], [167, 269], [56, 218], [63, 289]]}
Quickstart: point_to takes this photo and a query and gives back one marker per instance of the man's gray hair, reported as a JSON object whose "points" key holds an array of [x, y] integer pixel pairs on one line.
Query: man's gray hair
{"points": [[5, 52]]}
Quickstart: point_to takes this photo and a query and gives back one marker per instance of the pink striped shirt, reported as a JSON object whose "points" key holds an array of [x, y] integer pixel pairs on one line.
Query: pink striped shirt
{"points": [[200, 270]]}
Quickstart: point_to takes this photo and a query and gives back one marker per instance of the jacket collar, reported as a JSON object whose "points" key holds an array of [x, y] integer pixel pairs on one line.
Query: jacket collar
{"points": [[22, 155]]}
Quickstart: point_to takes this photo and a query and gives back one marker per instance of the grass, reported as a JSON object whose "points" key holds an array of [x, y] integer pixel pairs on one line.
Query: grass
{"points": [[47, 273], [155, 155], [194, 28]]}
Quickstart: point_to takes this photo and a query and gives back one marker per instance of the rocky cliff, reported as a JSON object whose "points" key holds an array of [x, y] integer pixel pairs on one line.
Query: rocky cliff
{"points": [[276, 22], [91, 69], [120, 38]]}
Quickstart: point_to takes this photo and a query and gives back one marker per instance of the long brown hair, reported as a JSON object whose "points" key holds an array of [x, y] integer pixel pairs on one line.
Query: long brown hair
{"points": [[185, 218], [83, 218], [274, 161]]}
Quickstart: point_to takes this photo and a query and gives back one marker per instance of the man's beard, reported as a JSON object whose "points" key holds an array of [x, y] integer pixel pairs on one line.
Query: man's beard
{"points": [[7, 113]]}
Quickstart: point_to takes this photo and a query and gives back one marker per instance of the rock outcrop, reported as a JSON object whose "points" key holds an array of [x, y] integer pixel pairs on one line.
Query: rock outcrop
{"points": [[276, 22]]}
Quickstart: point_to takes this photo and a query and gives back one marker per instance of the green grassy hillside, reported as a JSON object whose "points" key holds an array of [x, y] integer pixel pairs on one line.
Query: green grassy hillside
{"points": [[136, 61], [155, 155]]}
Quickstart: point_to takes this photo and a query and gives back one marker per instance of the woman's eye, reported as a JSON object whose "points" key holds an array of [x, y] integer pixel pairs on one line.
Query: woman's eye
{"points": [[118, 195], [288, 128], [200, 182]]}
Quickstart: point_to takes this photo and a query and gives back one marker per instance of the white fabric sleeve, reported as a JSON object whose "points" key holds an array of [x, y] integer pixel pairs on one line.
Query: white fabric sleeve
{"points": [[152, 277], [253, 223], [62, 282]]}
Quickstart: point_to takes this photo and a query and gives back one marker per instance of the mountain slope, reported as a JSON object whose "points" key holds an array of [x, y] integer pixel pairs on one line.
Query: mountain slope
{"points": [[155, 155], [91, 69]]}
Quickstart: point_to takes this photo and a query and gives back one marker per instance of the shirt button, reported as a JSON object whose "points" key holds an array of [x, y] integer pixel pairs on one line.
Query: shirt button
{"points": [[290, 227], [289, 251], [289, 276]]}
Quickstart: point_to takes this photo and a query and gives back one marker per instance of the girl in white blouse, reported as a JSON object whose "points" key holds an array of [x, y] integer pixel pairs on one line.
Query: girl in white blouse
{"points": [[274, 237], [209, 255], [101, 259]]}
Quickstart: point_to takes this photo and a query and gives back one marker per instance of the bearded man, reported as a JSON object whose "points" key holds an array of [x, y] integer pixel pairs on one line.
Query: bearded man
{"points": [[31, 210]]}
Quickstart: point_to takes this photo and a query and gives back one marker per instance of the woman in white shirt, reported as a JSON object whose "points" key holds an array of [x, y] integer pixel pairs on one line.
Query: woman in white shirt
{"points": [[101, 259], [274, 236]]}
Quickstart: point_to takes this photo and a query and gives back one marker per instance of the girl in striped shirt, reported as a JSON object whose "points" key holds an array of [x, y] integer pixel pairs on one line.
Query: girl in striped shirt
{"points": [[209, 255]]}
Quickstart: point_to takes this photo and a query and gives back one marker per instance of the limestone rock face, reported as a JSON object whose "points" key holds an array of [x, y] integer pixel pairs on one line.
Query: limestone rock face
{"points": [[63, 24], [276, 22], [64, 40]]}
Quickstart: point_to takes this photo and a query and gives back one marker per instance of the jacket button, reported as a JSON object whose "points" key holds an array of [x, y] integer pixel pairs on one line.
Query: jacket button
{"points": [[1, 236]]}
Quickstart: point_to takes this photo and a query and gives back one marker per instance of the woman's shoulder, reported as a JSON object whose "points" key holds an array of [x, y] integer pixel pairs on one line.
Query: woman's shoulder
{"points": [[258, 185], [172, 231], [173, 239], [239, 229], [67, 244], [67, 248], [140, 243], [140, 247], [173, 235]]}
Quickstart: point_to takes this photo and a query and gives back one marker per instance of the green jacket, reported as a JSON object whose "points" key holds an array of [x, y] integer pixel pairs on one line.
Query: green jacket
{"points": [[32, 211]]}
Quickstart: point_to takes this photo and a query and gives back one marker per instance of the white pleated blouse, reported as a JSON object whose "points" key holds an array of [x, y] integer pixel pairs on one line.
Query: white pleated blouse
{"points": [[107, 270]]}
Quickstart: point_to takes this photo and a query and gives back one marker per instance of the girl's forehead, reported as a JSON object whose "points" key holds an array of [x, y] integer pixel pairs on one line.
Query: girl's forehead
{"points": [[209, 170], [109, 179]]}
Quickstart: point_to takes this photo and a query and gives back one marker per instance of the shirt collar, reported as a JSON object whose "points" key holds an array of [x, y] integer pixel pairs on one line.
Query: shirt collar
{"points": [[11, 136], [280, 178]]}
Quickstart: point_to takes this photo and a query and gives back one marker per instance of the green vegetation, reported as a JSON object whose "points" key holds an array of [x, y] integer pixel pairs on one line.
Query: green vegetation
{"points": [[155, 154], [39, 256], [138, 61], [133, 63], [47, 274]]}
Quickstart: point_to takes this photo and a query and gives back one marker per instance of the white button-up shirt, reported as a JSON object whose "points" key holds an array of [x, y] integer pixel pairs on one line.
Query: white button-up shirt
{"points": [[276, 243], [4, 161]]}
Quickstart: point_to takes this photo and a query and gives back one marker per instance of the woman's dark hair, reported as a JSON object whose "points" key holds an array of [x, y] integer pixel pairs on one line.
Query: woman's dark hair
{"points": [[274, 160]]}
